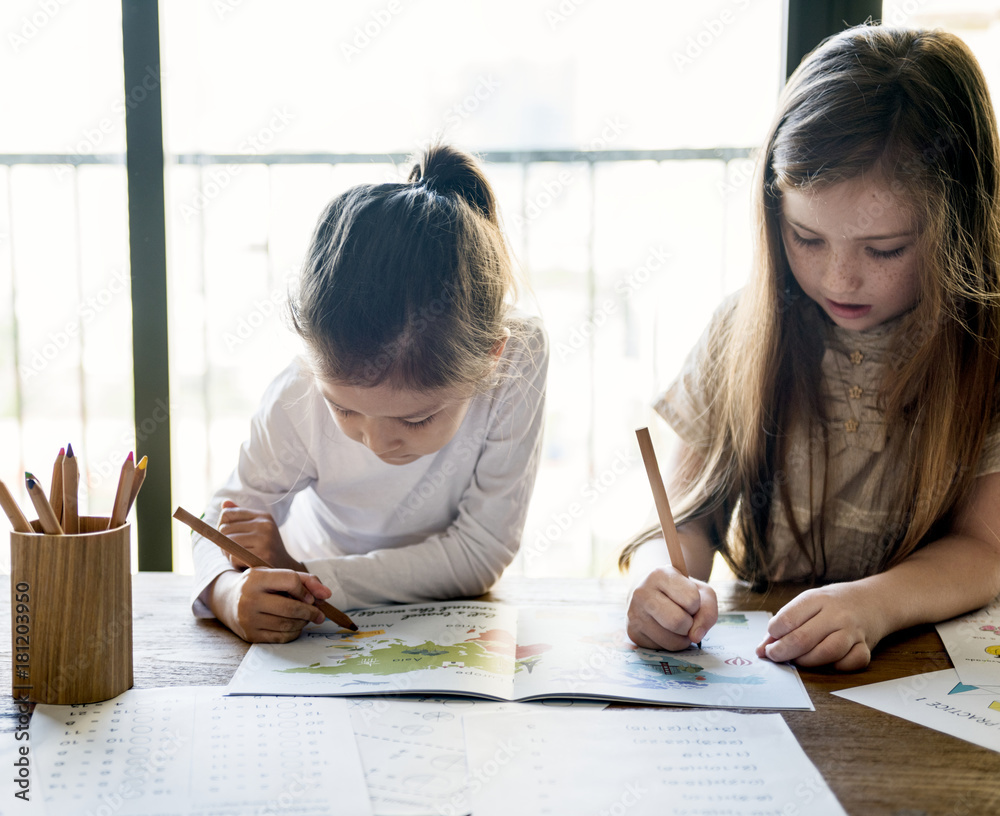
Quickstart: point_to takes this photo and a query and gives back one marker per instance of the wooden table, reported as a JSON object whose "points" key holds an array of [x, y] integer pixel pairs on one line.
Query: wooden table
{"points": [[875, 763]]}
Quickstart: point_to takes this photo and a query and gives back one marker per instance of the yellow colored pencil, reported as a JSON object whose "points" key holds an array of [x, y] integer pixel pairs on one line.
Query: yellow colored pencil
{"points": [[140, 477], [120, 509], [50, 524]]}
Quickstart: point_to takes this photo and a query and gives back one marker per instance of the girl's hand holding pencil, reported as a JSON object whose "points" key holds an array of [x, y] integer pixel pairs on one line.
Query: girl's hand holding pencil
{"points": [[262, 604], [668, 609], [256, 531]]}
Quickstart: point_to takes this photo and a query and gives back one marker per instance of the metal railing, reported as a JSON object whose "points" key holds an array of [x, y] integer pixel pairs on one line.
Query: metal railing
{"points": [[525, 159]]}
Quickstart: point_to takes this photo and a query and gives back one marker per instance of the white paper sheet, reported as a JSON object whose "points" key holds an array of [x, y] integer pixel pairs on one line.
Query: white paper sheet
{"points": [[532, 653], [413, 751], [973, 644], [191, 751], [650, 762], [937, 700]]}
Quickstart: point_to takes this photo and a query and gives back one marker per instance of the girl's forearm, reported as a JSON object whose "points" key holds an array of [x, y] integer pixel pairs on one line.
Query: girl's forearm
{"points": [[948, 577]]}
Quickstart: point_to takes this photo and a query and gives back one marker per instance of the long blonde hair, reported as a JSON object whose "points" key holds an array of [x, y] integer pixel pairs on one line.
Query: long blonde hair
{"points": [[910, 107]]}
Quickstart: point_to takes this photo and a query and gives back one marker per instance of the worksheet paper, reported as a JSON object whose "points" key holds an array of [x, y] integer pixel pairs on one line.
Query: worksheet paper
{"points": [[532, 653], [193, 752], [938, 700], [650, 762], [973, 644], [413, 750]]}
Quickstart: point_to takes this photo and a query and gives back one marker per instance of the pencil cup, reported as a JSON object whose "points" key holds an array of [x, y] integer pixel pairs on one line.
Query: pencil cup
{"points": [[71, 614]]}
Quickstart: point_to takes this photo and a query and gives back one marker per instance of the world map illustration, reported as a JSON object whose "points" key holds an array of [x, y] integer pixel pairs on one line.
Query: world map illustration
{"points": [[492, 650]]}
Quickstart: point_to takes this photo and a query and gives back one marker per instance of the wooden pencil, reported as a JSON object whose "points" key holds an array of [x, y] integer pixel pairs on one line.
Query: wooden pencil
{"points": [[662, 505], [56, 488], [140, 477], [70, 485], [120, 509], [50, 524], [249, 558], [17, 519]]}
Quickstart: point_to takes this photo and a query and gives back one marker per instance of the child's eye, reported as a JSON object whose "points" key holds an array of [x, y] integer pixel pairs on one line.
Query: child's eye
{"points": [[806, 242], [886, 254], [341, 411], [419, 424]]}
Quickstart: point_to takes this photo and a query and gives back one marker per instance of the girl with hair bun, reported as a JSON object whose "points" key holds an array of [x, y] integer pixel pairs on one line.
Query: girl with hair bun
{"points": [[839, 421], [394, 461]]}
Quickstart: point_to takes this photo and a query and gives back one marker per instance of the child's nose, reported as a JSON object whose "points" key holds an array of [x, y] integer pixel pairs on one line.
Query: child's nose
{"points": [[840, 274], [379, 438]]}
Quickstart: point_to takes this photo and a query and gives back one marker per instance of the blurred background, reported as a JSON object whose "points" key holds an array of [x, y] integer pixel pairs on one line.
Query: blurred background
{"points": [[618, 135]]}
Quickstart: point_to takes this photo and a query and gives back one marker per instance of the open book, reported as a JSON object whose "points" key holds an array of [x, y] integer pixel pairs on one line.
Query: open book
{"points": [[531, 653]]}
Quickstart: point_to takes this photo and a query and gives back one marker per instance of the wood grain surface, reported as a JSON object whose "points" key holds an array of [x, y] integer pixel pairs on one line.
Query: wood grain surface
{"points": [[876, 764]]}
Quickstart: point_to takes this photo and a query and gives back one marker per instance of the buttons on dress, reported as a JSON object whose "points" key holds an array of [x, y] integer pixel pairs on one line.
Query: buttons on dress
{"points": [[856, 357], [855, 392]]}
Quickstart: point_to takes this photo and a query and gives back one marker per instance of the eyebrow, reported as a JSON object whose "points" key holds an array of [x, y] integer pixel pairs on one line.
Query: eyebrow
{"points": [[410, 417], [804, 228]]}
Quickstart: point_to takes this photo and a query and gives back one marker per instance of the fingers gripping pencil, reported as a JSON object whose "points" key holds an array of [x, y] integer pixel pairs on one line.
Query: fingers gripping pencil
{"points": [[248, 558]]}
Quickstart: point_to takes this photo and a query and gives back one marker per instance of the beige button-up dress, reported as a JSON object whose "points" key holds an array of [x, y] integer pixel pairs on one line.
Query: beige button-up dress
{"points": [[863, 482]]}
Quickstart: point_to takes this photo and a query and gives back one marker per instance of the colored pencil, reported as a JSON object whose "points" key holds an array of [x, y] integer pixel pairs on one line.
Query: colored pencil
{"points": [[56, 488], [17, 518], [248, 558], [70, 484], [50, 524], [140, 477], [662, 505], [120, 509]]}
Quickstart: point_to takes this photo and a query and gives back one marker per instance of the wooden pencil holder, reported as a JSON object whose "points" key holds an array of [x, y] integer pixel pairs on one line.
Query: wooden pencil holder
{"points": [[71, 614]]}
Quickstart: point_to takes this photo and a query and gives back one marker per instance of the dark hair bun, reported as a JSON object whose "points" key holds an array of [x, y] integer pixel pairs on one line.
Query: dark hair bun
{"points": [[449, 171]]}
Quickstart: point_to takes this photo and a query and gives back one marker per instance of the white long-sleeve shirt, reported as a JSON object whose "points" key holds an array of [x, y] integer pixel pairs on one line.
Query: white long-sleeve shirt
{"points": [[443, 526]]}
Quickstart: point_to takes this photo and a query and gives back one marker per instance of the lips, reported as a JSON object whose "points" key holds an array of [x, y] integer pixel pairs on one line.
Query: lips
{"points": [[847, 311]]}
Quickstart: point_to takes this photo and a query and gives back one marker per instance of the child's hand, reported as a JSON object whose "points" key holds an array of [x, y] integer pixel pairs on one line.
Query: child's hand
{"points": [[836, 624], [267, 605], [256, 531], [669, 611]]}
